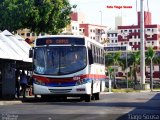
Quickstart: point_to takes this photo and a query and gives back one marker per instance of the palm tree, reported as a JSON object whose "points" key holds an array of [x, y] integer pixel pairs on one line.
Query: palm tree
{"points": [[134, 61], [149, 57], [113, 59], [156, 60], [110, 72]]}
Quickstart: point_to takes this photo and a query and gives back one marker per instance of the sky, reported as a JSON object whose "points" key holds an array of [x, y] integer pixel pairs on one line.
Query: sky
{"points": [[93, 9]]}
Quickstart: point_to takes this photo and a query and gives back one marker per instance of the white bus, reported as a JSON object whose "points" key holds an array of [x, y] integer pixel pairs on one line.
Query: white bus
{"points": [[68, 65]]}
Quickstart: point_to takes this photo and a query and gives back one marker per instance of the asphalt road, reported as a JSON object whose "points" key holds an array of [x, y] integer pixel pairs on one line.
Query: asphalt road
{"points": [[113, 106]]}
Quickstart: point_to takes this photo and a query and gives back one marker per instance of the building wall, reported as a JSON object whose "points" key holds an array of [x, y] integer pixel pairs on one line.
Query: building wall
{"points": [[147, 18], [72, 28], [131, 35], [26, 33], [95, 32], [112, 36], [77, 16]]}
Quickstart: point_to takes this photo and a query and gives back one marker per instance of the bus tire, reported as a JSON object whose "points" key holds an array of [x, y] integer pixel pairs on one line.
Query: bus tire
{"points": [[88, 98], [64, 98], [44, 97], [96, 96]]}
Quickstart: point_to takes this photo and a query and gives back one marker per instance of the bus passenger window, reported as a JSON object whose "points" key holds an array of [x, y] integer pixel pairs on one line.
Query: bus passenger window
{"points": [[90, 56]]}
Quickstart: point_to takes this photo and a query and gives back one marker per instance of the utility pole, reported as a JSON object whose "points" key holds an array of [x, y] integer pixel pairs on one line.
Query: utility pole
{"points": [[142, 63], [127, 65]]}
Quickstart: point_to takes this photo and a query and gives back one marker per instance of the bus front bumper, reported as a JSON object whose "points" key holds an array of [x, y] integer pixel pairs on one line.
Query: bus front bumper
{"points": [[45, 90]]}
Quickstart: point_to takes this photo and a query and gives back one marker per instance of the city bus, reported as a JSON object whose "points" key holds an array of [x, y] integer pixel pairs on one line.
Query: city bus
{"points": [[68, 66]]}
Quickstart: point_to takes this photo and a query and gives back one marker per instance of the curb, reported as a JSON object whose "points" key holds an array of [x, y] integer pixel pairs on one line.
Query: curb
{"points": [[106, 92], [10, 102]]}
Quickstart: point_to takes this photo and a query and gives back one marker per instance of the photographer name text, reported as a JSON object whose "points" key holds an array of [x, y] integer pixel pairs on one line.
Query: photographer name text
{"points": [[118, 7]]}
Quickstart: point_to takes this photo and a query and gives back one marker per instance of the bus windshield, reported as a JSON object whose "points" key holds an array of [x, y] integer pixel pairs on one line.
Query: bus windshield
{"points": [[59, 60]]}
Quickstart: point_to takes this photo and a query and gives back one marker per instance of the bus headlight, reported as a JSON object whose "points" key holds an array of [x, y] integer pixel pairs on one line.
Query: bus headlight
{"points": [[38, 82], [81, 81]]}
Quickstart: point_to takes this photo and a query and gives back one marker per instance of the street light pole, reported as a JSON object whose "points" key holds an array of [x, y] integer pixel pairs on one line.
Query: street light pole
{"points": [[101, 17], [101, 25], [142, 64]]}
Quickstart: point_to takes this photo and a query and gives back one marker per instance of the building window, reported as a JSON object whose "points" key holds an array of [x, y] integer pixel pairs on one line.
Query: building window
{"points": [[152, 43], [112, 41], [130, 31], [135, 43], [112, 35], [115, 41], [130, 36], [28, 34], [90, 30], [22, 34], [148, 29], [130, 43], [94, 31], [33, 34]]}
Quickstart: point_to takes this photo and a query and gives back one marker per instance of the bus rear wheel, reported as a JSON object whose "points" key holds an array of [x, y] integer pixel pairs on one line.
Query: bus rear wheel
{"points": [[88, 98]]}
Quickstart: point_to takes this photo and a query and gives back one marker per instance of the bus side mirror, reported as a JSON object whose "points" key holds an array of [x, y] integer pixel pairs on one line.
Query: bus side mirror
{"points": [[90, 56], [30, 53]]}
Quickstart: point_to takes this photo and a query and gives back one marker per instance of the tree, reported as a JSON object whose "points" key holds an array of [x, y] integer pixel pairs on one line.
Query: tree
{"points": [[149, 56], [156, 59], [134, 60], [113, 59], [40, 16]]}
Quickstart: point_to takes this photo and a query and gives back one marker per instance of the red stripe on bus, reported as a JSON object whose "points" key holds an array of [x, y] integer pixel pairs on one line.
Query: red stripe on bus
{"points": [[70, 79]]}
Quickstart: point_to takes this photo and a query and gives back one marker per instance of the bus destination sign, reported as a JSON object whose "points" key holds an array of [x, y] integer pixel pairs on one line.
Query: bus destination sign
{"points": [[59, 41]]}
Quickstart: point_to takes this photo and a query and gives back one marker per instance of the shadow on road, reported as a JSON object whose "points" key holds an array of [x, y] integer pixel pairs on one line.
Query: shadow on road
{"points": [[149, 110], [50, 100]]}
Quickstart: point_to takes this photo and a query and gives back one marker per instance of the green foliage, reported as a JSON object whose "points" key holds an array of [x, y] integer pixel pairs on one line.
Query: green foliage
{"points": [[112, 59], [150, 54], [41, 16]]}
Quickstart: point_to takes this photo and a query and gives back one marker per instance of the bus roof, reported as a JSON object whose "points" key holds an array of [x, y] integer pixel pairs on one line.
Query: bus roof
{"points": [[49, 36]]}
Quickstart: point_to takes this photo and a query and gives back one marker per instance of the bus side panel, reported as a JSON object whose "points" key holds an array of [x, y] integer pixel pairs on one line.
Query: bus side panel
{"points": [[97, 72]]}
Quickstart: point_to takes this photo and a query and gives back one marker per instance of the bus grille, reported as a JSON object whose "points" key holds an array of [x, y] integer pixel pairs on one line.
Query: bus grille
{"points": [[60, 90]]}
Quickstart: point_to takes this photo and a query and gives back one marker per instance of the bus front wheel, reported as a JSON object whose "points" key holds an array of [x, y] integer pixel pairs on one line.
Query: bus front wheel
{"points": [[96, 96]]}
